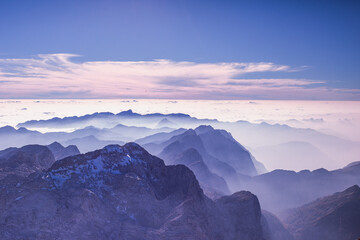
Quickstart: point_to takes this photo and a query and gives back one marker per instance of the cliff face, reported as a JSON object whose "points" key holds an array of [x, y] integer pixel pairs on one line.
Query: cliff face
{"points": [[121, 193]]}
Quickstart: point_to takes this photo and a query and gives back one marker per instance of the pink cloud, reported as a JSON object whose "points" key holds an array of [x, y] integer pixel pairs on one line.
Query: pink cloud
{"points": [[56, 76]]}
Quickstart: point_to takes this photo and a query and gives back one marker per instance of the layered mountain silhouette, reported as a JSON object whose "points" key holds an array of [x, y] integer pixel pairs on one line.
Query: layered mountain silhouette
{"points": [[101, 137], [282, 189], [60, 152], [264, 138], [208, 152], [107, 119], [158, 138], [90, 143], [123, 193], [335, 217], [213, 185], [166, 123], [127, 193]]}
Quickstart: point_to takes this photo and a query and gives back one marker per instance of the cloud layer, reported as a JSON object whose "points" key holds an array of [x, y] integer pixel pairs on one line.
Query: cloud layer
{"points": [[56, 76]]}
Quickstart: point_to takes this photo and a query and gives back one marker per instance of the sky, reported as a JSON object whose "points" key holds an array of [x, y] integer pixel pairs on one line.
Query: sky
{"points": [[279, 50]]}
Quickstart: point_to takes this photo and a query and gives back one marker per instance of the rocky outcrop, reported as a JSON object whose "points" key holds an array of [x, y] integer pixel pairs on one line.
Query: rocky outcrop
{"points": [[26, 160], [241, 215], [121, 193]]}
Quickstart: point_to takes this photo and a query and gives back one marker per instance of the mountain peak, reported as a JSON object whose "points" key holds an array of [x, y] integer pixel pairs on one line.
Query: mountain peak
{"points": [[203, 129], [56, 146], [7, 129], [353, 189], [165, 123], [127, 113], [25, 160]]}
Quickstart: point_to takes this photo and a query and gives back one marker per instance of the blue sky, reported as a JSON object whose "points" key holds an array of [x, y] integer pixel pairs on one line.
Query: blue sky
{"points": [[317, 40]]}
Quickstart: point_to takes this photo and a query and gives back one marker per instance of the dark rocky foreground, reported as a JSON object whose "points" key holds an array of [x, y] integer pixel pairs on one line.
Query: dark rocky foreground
{"points": [[123, 193]]}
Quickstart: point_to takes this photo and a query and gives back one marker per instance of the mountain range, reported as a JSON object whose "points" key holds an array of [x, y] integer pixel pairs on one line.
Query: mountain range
{"points": [[208, 152], [191, 179], [124, 193], [100, 137], [280, 190], [335, 150], [334, 217]]}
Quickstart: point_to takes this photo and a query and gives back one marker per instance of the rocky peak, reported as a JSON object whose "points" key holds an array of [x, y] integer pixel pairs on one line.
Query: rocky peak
{"points": [[243, 210], [110, 166], [25, 160]]}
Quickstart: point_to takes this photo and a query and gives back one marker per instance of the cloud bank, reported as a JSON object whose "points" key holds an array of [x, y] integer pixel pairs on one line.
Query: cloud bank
{"points": [[57, 76]]}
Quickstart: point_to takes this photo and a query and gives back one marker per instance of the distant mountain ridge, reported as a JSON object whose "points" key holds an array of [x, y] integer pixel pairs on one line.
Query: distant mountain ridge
{"points": [[279, 190], [110, 120], [118, 134], [341, 151]]}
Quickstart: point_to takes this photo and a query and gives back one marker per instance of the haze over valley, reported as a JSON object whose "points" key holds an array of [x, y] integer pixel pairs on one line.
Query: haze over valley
{"points": [[184, 120]]}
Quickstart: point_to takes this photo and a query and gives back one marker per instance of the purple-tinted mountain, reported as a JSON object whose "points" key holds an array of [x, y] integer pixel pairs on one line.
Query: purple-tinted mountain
{"points": [[158, 138], [166, 123], [335, 217], [221, 154], [20, 137], [60, 152], [25, 160], [213, 185], [274, 136], [90, 143], [121, 193], [273, 227], [107, 119], [118, 134], [281, 189], [177, 145], [269, 136], [220, 144]]}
